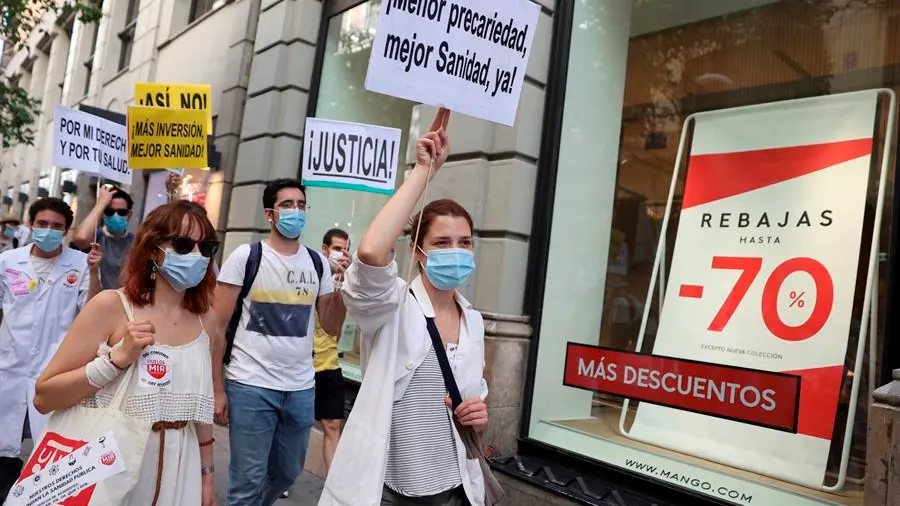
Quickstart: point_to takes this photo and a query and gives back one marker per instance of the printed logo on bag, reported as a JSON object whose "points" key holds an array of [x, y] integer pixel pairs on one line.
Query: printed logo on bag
{"points": [[52, 448], [154, 368], [71, 278], [74, 484], [108, 458]]}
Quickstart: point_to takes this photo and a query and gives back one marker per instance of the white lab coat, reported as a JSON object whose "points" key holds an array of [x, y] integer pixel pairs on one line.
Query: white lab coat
{"points": [[35, 319], [395, 341]]}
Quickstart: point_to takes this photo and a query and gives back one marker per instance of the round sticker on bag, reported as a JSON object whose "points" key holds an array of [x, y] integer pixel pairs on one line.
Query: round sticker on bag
{"points": [[154, 368], [108, 458]]}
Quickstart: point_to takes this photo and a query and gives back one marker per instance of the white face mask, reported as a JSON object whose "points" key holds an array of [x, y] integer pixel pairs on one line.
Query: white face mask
{"points": [[335, 255]]}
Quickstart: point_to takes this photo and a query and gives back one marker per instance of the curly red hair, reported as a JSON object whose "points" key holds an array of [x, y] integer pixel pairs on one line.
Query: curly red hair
{"points": [[165, 222]]}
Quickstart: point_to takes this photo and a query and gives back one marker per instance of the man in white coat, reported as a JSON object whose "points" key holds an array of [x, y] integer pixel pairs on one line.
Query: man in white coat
{"points": [[43, 285]]}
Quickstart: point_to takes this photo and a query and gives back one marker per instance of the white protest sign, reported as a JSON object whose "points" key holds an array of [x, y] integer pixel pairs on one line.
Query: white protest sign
{"points": [[466, 55], [91, 144], [70, 475], [350, 156]]}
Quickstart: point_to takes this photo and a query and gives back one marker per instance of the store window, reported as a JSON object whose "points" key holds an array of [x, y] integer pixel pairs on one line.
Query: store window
{"points": [[342, 96], [188, 184], [637, 70], [126, 36], [43, 186], [68, 186]]}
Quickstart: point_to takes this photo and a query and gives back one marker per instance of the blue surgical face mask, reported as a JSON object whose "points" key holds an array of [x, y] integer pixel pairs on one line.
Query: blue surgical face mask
{"points": [[449, 268], [184, 271], [115, 223], [291, 222], [9, 232], [47, 239]]}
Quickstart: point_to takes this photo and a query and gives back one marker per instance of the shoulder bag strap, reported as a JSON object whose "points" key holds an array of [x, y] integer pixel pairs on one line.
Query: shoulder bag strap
{"points": [[441, 352], [118, 400]]}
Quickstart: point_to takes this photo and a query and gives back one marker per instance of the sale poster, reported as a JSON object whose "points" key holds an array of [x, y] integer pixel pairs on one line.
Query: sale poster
{"points": [[763, 275]]}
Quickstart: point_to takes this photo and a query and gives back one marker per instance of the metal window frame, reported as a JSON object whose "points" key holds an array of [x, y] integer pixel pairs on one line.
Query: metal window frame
{"points": [[330, 9], [539, 250]]}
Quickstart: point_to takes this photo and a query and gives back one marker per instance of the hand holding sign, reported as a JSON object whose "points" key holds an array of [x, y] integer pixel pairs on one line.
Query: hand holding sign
{"points": [[138, 335], [433, 148], [95, 257]]}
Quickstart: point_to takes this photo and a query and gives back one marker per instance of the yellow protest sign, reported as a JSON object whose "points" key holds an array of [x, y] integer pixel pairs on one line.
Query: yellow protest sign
{"points": [[176, 96], [166, 138]]}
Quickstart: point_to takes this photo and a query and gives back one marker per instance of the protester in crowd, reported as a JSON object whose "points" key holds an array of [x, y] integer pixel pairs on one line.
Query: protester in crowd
{"points": [[9, 223], [163, 308], [23, 233], [329, 378], [42, 288], [402, 443], [269, 376], [114, 206]]}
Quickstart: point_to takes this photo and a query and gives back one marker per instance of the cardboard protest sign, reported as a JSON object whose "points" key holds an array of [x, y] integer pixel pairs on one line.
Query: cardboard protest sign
{"points": [[166, 138], [466, 55], [350, 156], [91, 144], [176, 96]]}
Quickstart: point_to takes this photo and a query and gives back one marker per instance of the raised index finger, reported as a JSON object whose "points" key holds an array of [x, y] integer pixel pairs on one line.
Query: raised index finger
{"points": [[438, 120]]}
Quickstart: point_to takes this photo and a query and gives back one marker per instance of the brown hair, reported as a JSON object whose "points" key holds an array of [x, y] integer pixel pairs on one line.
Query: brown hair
{"points": [[164, 223], [434, 209]]}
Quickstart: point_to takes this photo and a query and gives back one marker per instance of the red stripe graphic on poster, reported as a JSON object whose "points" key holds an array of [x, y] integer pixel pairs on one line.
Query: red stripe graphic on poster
{"points": [[763, 276], [761, 398]]}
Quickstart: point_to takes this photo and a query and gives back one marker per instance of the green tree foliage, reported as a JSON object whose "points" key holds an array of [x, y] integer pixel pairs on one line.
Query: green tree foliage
{"points": [[18, 18]]}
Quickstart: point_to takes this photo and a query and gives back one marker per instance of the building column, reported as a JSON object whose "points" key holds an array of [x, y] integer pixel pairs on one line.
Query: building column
{"points": [[274, 113], [231, 115]]}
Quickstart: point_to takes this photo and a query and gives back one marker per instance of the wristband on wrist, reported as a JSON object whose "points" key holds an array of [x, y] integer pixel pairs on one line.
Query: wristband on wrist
{"points": [[113, 363], [208, 442], [207, 470]]}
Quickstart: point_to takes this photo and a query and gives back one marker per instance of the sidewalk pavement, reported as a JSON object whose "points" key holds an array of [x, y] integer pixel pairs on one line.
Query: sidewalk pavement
{"points": [[305, 492]]}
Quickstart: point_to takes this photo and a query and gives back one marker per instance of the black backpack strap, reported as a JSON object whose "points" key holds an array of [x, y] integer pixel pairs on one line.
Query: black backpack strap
{"points": [[441, 352], [317, 263], [254, 259]]}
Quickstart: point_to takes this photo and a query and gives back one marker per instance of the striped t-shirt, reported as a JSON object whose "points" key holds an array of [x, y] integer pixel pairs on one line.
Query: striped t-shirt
{"points": [[422, 459]]}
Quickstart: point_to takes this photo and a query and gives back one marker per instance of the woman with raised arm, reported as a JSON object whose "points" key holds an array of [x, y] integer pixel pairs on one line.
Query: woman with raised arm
{"points": [[156, 322], [402, 444]]}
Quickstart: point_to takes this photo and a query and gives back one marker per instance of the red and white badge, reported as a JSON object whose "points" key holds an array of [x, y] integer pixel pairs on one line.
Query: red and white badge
{"points": [[71, 278], [154, 368]]}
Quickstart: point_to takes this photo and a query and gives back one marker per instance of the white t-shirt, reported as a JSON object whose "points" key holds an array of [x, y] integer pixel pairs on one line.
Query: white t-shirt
{"points": [[43, 267], [273, 344]]}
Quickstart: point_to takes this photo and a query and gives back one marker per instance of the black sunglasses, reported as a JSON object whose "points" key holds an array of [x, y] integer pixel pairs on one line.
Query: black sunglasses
{"points": [[184, 245], [110, 211]]}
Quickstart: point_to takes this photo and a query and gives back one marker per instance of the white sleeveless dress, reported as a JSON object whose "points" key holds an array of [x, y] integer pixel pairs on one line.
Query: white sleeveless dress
{"points": [[172, 384]]}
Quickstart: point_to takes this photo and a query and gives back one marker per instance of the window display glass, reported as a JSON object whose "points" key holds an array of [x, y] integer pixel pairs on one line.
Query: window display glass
{"points": [[343, 96], [637, 70]]}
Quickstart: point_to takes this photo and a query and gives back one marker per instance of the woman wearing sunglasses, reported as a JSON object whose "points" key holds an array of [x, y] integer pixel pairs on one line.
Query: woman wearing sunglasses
{"points": [[157, 322]]}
